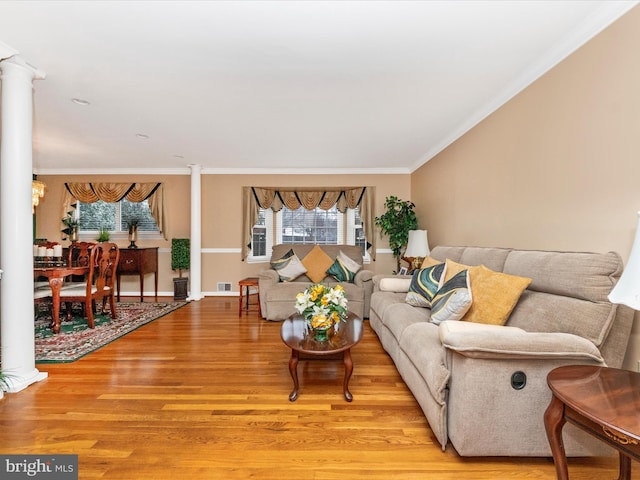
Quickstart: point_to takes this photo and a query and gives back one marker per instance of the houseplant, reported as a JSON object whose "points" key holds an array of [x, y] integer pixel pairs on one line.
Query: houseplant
{"points": [[396, 222], [71, 224], [103, 235], [180, 260]]}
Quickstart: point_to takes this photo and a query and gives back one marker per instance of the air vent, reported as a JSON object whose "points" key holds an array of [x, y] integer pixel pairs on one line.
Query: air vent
{"points": [[224, 286]]}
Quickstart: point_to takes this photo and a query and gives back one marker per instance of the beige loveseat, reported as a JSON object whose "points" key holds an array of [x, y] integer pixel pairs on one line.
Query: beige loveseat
{"points": [[277, 298], [483, 387]]}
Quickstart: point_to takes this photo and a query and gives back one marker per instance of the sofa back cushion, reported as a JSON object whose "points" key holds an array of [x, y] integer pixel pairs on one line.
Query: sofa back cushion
{"points": [[302, 250]]}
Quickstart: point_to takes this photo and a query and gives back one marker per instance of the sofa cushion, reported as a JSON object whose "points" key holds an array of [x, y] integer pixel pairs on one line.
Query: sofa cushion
{"points": [[424, 285], [453, 299], [495, 294], [288, 267], [317, 262]]}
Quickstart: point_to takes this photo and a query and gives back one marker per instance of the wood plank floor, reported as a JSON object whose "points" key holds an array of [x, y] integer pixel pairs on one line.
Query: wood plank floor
{"points": [[202, 394]]}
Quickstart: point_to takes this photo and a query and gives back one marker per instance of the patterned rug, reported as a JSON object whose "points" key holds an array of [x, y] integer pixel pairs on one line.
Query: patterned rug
{"points": [[76, 339]]}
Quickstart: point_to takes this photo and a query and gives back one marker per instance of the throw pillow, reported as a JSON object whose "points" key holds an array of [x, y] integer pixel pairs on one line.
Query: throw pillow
{"points": [[452, 300], [495, 294], [317, 262], [288, 267], [340, 272], [429, 262], [349, 262], [424, 285]]}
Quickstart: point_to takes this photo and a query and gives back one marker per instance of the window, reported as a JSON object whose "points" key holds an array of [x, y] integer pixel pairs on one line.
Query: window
{"points": [[324, 227], [115, 217]]}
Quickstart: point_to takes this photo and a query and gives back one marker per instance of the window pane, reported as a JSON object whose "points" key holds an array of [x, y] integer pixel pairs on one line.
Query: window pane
{"points": [[361, 241], [310, 226], [259, 236], [139, 211], [94, 216]]}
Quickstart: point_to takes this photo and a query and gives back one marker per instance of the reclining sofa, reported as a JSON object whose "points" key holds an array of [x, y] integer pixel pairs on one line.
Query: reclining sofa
{"points": [[482, 387], [278, 296]]}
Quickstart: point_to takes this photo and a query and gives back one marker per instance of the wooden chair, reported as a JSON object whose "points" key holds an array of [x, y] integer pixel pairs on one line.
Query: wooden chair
{"points": [[100, 284], [79, 253]]}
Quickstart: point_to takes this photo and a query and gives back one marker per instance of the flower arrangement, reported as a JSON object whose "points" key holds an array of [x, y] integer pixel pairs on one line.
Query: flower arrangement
{"points": [[322, 306]]}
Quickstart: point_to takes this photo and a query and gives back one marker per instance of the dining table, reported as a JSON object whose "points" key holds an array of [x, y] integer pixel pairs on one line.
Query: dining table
{"points": [[56, 273]]}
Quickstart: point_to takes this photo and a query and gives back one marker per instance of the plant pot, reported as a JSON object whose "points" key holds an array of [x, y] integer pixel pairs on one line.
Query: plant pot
{"points": [[180, 288]]}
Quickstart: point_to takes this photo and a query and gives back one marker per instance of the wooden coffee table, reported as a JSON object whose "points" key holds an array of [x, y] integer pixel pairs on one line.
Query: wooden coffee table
{"points": [[299, 338], [604, 402]]}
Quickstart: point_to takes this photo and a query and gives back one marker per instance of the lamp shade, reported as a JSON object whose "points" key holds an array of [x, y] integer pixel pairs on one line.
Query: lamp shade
{"points": [[418, 245], [627, 290]]}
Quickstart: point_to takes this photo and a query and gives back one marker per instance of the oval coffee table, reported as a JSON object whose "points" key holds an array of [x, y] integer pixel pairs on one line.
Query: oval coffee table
{"points": [[299, 338]]}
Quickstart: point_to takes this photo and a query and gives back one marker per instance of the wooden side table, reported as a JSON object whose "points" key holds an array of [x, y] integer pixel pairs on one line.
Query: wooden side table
{"points": [[243, 301], [138, 261], [604, 402]]}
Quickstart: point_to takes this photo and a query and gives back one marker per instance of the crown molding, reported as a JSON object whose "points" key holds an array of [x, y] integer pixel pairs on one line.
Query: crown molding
{"points": [[596, 23], [224, 171]]}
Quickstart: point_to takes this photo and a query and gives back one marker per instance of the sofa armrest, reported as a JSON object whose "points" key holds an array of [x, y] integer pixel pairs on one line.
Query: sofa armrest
{"points": [[267, 278], [476, 340], [363, 276]]}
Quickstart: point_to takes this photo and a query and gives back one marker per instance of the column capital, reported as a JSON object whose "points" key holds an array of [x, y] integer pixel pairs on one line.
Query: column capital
{"points": [[18, 61]]}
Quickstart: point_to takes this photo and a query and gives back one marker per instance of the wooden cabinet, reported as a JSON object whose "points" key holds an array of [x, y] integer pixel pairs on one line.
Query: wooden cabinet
{"points": [[138, 261]]}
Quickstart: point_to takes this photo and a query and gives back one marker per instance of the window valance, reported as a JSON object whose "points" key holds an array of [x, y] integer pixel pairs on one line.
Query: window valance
{"points": [[254, 198], [115, 192]]}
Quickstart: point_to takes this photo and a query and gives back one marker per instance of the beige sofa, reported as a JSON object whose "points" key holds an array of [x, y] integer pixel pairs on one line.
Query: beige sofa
{"points": [[483, 387], [277, 298]]}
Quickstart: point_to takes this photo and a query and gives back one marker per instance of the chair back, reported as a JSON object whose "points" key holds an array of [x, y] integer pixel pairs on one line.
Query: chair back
{"points": [[80, 253], [105, 257]]}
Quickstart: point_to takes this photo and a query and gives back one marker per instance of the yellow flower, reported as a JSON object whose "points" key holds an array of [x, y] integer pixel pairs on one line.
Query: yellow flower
{"points": [[320, 321]]}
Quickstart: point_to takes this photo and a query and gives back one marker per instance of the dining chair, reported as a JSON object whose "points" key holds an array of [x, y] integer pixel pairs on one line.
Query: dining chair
{"points": [[100, 284]]}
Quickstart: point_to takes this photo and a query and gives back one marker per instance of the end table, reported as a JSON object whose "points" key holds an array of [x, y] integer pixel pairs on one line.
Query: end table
{"points": [[243, 301]]}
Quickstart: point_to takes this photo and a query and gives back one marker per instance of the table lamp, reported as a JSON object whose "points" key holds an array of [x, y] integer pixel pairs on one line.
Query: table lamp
{"points": [[417, 248], [627, 290]]}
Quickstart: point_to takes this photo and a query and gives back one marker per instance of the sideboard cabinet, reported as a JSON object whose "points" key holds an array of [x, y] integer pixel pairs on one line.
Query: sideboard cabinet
{"points": [[138, 261]]}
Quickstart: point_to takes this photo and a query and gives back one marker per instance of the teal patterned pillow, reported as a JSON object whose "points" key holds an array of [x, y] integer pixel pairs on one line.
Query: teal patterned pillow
{"points": [[289, 267], [340, 272], [453, 299], [424, 285]]}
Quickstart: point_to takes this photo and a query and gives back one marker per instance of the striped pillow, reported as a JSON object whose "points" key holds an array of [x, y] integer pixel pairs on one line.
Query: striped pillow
{"points": [[289, 267]]}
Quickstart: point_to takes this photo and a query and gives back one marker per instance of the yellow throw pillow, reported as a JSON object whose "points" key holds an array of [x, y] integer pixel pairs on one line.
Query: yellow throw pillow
{"points": [[494, 294], [317, 262], [429, 262]]}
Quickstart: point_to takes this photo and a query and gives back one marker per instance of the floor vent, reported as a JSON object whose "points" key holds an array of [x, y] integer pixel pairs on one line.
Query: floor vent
{"points": [[224, 286]]}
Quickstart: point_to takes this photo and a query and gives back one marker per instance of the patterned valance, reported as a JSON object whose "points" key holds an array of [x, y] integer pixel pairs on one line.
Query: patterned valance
{"points": [[115, 192], [254, 198]]}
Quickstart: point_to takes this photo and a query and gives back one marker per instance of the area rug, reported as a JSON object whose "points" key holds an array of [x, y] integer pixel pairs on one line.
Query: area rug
{"points": [[76, 339]]}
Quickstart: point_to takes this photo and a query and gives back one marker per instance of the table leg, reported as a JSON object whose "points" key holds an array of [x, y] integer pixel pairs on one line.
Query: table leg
{"points": [[348, 370], [553, 422], [240, 302], [625, 467], [56, 285], [293, 369]]}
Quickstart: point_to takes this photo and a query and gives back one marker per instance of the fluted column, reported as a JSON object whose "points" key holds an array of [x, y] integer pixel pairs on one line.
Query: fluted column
{"points": [[195, 292], [16, 225]]}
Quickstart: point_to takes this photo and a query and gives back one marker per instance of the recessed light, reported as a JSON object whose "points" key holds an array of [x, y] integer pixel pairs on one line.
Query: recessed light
{"points": [[81, 101], [178, 156], [142, 135]]}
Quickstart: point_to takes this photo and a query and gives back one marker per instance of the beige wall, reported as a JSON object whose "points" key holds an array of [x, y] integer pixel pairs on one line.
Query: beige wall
{"points": [[558, 167], [221, 218]]}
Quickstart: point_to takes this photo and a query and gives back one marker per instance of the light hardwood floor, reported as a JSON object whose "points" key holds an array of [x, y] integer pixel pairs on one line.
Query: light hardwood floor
{"points": [[202, 394]]}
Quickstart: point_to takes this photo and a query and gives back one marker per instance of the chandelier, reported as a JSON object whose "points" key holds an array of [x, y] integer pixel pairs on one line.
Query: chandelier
{"points": [[37, 192]]}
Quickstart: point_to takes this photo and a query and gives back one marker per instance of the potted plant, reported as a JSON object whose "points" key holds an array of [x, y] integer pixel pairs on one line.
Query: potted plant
{"points": [[71, 225], [396, 222], [4, 383], [103, 235], [180, 260]]}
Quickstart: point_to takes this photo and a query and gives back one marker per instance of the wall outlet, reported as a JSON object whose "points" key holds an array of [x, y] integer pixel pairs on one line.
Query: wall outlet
{"points": [[224, 286]]}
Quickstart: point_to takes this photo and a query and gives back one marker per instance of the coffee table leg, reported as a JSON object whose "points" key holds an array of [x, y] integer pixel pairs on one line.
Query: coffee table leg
{"points": [[553, 423], [348, 370], [625, 467], [293, 369]]}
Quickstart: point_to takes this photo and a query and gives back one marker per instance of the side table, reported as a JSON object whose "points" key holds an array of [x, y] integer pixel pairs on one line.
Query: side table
{"points": [[243, 301], [602, 401]]}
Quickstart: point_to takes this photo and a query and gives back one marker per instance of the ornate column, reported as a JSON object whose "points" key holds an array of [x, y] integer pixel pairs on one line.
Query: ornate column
{"points": [[16, 225], [196, 233]]}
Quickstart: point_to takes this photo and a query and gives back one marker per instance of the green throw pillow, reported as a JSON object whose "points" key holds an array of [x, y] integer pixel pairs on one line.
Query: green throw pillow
{"points": [[289, 267], [340, 272], [424, 285], [452, 300]]}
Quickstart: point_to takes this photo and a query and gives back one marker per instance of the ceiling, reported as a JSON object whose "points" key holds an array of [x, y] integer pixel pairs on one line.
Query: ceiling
{"points": [[279, 86]]}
